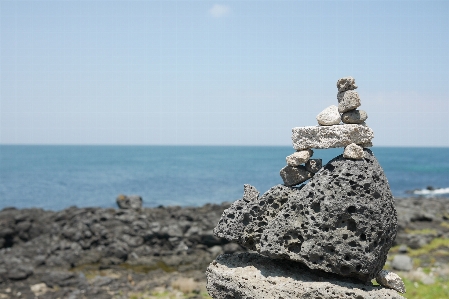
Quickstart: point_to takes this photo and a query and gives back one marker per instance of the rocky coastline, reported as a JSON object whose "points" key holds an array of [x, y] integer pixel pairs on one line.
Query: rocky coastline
{"points": [[114, 253]]}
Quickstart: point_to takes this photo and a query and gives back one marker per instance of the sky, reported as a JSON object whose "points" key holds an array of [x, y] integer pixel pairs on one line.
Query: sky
{"points": [[219, 73]]}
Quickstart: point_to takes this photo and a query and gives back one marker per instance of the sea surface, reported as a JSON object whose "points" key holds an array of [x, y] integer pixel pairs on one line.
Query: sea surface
{"points": [[56, 177]]}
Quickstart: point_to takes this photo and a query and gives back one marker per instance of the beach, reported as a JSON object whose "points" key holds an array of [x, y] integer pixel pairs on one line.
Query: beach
{"points": [[121, 253]]}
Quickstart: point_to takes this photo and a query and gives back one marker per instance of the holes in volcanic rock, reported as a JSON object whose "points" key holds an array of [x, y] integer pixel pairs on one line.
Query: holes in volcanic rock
{"points": [[345, 269], [329, 167], [363, 237], [358, 268], [295, 247], [347, 258], [376, 195], [316, 207], [352, 226], [275, 206], [232, 216], [351, 209]]}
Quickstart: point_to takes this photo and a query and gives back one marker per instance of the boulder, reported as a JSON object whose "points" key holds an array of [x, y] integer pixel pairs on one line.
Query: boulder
{"points": [[353, 151], [299, 157], [346, 83], [329, 116], [250, 275], [402, 262], [314, 165], [348, 100], [342, 221], [330, 136], [354, 117], [294, 175], [129, 202], [390, 280]]}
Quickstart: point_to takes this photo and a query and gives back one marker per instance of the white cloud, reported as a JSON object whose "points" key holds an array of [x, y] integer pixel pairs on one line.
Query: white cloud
{"points": [[218, 11]]}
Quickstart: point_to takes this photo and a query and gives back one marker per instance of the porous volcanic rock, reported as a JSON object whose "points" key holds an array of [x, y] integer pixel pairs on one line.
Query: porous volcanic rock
{"points": [[250, 275], [314, 165], [330, 136], [342, 221], [346, 83], [348, 100], [354, 117]]}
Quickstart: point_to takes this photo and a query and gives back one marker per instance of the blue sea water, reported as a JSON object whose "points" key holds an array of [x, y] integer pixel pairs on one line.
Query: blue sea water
{"points": [[56, 177]]}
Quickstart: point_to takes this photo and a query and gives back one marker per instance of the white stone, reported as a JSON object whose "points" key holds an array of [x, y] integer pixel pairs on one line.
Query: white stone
{"points": [[348, 100], [390, 280], [39, 289], [353, 151], [299, 157], [329, 116], [354, 117], [330, 136], [346, 83], [249, 275]]}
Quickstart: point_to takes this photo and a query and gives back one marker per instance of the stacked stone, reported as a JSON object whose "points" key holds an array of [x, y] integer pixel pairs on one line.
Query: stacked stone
{"points": [[353, 135], [342, 222]]}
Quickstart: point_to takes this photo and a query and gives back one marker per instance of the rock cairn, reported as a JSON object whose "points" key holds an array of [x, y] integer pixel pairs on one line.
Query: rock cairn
{"points": [[353, 135], [342, 222]]}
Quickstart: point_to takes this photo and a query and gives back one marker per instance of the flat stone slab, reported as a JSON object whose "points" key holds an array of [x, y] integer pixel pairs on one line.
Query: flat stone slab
{"points": [[331, 136], [250, 275]]}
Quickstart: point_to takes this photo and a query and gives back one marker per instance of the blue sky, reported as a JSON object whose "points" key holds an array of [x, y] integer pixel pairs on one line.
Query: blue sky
{"points": [[219, 73]]}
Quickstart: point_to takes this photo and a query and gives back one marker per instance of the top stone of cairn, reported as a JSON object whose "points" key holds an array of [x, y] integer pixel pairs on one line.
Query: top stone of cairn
{"points": [[346, 83]]}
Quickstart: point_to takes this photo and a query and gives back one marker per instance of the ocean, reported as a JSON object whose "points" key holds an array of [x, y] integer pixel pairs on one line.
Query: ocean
{"points": [[57, 177]]}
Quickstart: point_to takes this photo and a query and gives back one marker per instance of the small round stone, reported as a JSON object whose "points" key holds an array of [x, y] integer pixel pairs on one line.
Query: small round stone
{"points": [[354, 117], [329, 116]]}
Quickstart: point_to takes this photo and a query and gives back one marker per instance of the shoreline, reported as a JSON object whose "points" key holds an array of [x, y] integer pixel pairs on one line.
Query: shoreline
{"points": [[105, 251]]}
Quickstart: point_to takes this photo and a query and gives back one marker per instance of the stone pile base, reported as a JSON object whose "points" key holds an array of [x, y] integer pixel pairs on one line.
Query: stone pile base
{"points": [[250, 275]]}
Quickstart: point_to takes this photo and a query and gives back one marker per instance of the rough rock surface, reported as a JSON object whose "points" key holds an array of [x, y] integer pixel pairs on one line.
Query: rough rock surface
{"points": [[342, 221], [346, 83], [353, 151], [330, 136], [366, 144], [293, 176], [348, 100], [249, 275], [354, 117], [129, 202], [299, 157], [390, 280], [329, 116], [314, 165]]}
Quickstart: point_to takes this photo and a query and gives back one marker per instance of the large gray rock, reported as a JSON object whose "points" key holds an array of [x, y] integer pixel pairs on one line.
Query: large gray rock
{"points": [[330, 136], [329, 116], [348, 100], [346, 83], [342, 221], [249, 275]]}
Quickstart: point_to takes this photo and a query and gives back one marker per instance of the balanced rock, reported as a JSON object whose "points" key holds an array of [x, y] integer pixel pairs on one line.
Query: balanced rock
{"points": [[330, 136], [348, 100], [353, 151], [299, 157], [342, 221], [250, 275], [354, 117], [390, 280], [346, 83], [294, 175], [314, 165], [129, 202], [329, 116]]}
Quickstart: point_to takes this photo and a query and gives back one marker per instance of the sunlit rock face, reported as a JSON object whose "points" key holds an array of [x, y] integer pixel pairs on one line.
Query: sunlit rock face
{"points": [[342, 221]]}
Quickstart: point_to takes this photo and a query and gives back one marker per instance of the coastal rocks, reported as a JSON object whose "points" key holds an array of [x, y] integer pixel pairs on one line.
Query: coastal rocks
{"points": [[342, 221], [353, 151], [314, 165], [354, 117], [329, 116], [390, 280], [249, 275], [402, 262], [330, 136], [129, 202], [348, 100]]}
